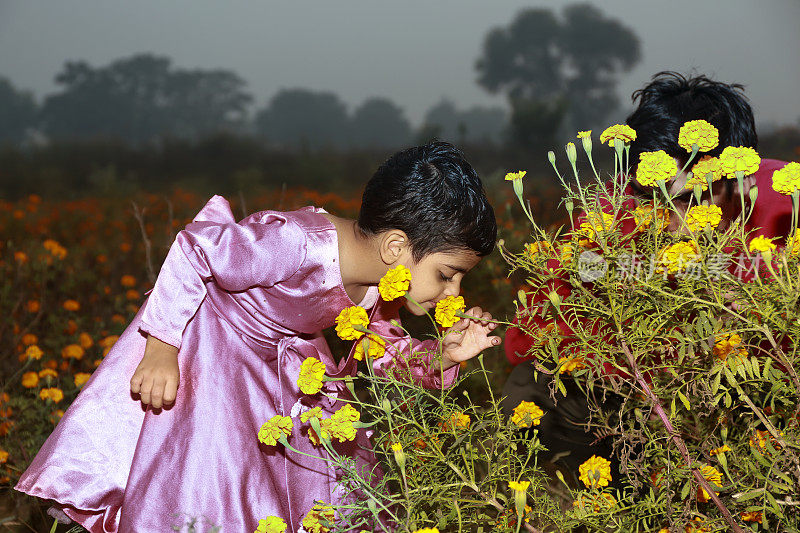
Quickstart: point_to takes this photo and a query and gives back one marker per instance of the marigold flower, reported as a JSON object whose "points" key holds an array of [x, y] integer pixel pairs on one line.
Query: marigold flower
{"points": [[34, 352], [375, 347], [597, 502], [457, 420], [596, 222], [81, 378], [312, 520], [108, 342], [760, 438], [394, 283], [677, 257], [20, 257], [752, 516], [29, 338], [3, 456], [762, 245], [532, 250], [72, 351], [71, 305], [33, 306], [644, 215], [722, 449], [311, 372], [698, 132], [739, 159], [446, 310], [567, 252], [314, 412], [584, 134], [48, 373], [654, 167], [348, 318], [725, 345], [511, 176], [793, 243], [713, 476], [127, 281], [527, 414], [701, 216], [617, 131], [519, 486], [51, 393], [275, 428], [595, 472], [428, 530], [569, 363], [786, 180], [707, 165], [55, 249], [132, 294], [271, 524], [340, 424], [30, 380]]}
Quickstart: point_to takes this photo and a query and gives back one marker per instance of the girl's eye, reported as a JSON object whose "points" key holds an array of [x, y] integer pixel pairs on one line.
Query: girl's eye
{"points": [[445, 278]]}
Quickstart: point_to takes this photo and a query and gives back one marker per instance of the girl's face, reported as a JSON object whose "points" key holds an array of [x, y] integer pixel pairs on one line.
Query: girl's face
{"points": [[436, 276]]}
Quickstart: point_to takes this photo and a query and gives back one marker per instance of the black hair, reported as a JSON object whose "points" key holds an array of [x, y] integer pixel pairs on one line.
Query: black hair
{"points": [[671, 99], [434, 195]]}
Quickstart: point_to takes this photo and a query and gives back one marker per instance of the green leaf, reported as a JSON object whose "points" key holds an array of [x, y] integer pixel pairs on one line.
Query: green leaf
{"points": [[684, 400], [749, 495], [715, 382], [685, 489]]}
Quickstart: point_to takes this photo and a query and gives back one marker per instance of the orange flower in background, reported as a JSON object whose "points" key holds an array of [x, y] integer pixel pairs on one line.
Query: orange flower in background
{"points": [[118, 319], [55, 249], [51, 363], [29, 338], [20, 257], [34, 352], [54, 394], [125, 247], [30, 380], [71, 305], [81, 378], [85, 340], [71, 328], [56, 415], [127, 281], [48, 373], [3, 456], [33, 306], [132, 294], [72, 351]]}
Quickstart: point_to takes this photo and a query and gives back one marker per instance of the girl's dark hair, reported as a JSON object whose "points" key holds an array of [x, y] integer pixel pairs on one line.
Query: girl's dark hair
{"points": [[432, 194], [672, 99]]}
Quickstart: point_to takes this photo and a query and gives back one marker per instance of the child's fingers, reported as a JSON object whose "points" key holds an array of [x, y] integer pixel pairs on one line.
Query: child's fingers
{"points": [[145, 390], [157, 394], [136, 382], [170, 391], [480, 315]]}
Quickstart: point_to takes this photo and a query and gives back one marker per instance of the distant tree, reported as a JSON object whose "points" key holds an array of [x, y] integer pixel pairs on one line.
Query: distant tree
{"points": [[476, 124], [379, 123], [141, 98], [304, 118], [443, 118], [575, 61], [18, 111]]}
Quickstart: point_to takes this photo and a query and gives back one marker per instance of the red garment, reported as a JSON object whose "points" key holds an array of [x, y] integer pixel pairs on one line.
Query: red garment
{"points": [[771, 217]]}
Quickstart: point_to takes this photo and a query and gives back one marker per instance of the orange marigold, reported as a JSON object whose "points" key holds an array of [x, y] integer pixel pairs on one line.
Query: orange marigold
{"points": [[71, 305]]}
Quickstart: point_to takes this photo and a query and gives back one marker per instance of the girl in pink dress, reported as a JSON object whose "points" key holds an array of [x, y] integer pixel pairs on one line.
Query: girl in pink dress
{"points": [[165, 430]]}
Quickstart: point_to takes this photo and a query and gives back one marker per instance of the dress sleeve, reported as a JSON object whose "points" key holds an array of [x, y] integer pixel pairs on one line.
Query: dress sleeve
{"points": [[262, 250], [405, 357]]}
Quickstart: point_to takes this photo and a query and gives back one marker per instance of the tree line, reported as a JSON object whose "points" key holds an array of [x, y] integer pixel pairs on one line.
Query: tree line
{"points": [[557, 71]]}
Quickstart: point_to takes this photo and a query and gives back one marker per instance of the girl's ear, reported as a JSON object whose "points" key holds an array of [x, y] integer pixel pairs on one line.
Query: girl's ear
{"points": [[393, 246]]}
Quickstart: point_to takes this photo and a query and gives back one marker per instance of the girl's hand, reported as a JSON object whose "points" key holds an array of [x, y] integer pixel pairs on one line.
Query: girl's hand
{"points": [[156, 377], [468, 337]]}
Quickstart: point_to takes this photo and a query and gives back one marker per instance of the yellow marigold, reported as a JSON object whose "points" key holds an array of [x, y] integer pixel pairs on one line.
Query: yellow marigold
{"points": [[72, 305], [457, 420], [696, 525], [527, 414], [48, 373], [698, 132], [29, 338], [752, 516], [760, 438], [617, 131], [347, 319], [375, 347], [762, 245], [34, 352], [519, 486], [109, 341], [55, 249], [446, 310], [317, 514], [654, 167], [127, 281], [3, 456], [51, 393], [701, 216], [85, 340], [72, 351], [311, 372], [271, 524], [793, 243], [596, 502], [786, 180], [532, 250], [596, 222], [275, 428], [567, 252], [722, 449], [314, 412], [595, 472], [30, 380], [706, 165], [713, 476], [340, 424], [394, 283], [568, 364], [725, 345], [511, 176], [81, 378], [584, 134], [427, 530], [644, 216], [677, 257], [739, 158]]}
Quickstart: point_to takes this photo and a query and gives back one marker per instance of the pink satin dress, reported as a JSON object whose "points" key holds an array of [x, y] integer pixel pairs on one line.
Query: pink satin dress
{"points": [[245, 304]]}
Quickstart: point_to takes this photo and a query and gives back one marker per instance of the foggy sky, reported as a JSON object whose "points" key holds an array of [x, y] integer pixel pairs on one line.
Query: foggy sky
{"points": [[414, 52]]}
